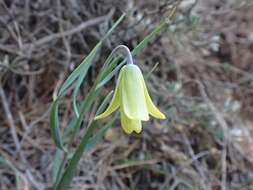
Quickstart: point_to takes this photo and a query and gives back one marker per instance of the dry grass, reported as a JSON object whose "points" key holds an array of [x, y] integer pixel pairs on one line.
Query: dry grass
{"points": [[203, 82]]}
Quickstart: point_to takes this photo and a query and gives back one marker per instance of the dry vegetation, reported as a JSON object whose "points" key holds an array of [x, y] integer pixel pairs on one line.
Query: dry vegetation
{"points": [[203, 82]]}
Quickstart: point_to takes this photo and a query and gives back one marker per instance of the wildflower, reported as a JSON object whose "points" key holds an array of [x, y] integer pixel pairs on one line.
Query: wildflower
{"points": [[132, 96]]}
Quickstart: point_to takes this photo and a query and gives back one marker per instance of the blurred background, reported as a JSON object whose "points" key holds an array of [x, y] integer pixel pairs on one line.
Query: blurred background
{"points": [[202, 80]]}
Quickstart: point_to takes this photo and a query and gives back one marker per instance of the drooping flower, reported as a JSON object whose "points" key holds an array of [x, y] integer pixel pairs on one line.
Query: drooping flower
{"points": [[132, 96]]}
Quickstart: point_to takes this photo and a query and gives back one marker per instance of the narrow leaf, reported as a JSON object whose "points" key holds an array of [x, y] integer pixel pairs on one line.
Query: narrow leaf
{"points": [[69, 81], [97, 137], [83, 72], [149, 38], [109, 76], [56, 164], [104, 103], [100, 133], [71, 126], [75, 74], [54, 125], [113, 27]]}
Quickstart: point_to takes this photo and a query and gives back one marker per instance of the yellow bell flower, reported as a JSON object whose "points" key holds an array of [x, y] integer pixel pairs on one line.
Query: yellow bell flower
{"points": [[132, 96]]}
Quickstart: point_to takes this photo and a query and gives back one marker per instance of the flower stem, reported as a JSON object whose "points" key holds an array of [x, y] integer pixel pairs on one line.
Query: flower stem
{"points": [[124, 50]]}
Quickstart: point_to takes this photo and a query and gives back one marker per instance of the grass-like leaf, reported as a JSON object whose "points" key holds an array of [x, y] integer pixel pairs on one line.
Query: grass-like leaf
{"points": [[82, 67], [85, 67], [109, 76], [56, 164], [54, 125]]}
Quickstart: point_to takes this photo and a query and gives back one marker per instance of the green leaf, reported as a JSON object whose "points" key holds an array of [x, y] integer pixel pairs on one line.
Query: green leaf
{"points": [[84, 106], [104, 103], [88, 62], [113, 27], [109, 76], [100, 133], [83, 72], [149, 38], [56, 164], [69, 81], [71, 126], [54, 125], [97, 137], [75, 74]]}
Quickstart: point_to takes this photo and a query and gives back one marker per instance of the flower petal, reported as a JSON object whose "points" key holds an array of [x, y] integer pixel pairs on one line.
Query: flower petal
{"points": [[152, 109], [129, 125], [132, 93], [115, 102]]}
